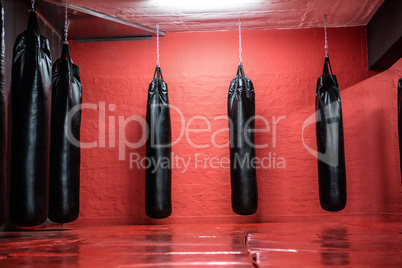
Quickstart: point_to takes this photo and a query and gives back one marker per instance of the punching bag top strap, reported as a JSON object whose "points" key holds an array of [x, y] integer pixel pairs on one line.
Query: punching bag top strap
{"points": [[240, 73], [242, 76], [65, 55], [33, 23], [158, 73], [240, 70], [326, 69]]}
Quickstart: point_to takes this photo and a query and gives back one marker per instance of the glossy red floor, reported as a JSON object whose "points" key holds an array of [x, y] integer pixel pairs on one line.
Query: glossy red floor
{"points": [[345, 242]]}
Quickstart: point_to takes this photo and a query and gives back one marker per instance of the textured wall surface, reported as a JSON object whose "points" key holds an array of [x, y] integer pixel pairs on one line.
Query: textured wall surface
{"points": [[371, 142], [284, 66]]}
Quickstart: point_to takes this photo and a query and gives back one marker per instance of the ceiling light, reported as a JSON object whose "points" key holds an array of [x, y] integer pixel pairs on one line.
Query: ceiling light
{"points": [[203, 3]]}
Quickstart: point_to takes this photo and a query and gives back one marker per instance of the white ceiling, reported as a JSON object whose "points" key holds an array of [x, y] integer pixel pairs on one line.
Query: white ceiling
{"points": [[221, 15]]}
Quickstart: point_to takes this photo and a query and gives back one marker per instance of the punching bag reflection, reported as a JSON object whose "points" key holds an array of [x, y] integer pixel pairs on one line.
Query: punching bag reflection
{"points": [[158, 174], [3, 122], [241, 112], [64, 177], [30, 127], [330, 144], [400, 121]]}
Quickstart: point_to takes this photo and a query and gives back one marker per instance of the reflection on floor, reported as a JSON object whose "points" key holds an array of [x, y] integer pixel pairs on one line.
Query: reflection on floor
{"points": [[279, 244]]}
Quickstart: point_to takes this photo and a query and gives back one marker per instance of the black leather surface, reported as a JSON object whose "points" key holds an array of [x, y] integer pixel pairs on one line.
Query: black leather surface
{"points": [[64, 180], [158, 175], [30, 127], [241, 112], [330, 142], [3, 122]]}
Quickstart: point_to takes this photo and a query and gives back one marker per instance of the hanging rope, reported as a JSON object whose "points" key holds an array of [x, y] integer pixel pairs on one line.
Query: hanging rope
{"points": [[33, 4], [240, 48], [157, 43], [326, 41], [65, 24]]}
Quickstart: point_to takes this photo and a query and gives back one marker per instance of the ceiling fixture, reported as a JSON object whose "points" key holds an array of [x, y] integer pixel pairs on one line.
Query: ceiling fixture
{"points": [[205, 4]]}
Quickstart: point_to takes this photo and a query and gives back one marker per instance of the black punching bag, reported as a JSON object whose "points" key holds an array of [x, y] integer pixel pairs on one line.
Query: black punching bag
{"points": [[330, 144], [64, 177], [3, 122], [158, 173], [400, 120], [30, 127], [241, 112]]}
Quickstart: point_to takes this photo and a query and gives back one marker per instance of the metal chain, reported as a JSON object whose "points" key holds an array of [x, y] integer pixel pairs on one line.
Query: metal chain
{"points": [[326, 41], [157, 43], [33, 4], [240, 48], [66, 24]]}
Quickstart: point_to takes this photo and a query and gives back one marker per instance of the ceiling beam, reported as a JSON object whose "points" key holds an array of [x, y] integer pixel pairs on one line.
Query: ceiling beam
{"points": [[384, 36]]}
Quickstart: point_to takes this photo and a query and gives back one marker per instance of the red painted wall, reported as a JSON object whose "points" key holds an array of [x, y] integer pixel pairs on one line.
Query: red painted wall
{"points": [[198, 67]]}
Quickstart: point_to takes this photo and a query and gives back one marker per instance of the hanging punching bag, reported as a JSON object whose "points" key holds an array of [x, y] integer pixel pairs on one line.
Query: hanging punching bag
{"points": [[3, 122], [241, 112], [158, 174], [30, 127], [64, 177], [330, 144], [400, 121]]}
